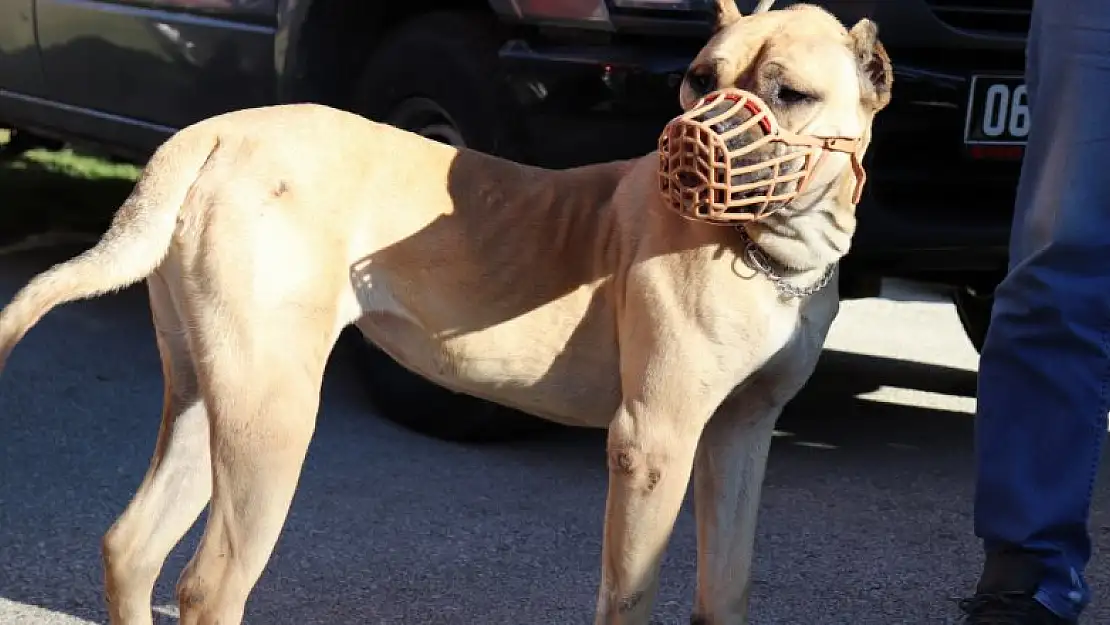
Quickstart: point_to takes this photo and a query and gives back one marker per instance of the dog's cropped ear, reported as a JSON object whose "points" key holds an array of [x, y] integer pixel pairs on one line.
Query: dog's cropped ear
{"points": [[725, 13], [763, 6], [874, 64]]}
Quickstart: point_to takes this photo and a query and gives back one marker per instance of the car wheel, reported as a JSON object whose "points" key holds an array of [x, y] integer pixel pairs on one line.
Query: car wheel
{"points": [[436, 76], [439, 75], [973, 307]]}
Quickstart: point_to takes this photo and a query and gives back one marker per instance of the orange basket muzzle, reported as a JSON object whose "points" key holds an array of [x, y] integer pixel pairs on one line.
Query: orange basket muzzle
{"points": [[708, 172]]}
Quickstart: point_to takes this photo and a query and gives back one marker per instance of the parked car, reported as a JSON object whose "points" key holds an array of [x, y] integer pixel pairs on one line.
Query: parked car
{"points": [[549, 82]]}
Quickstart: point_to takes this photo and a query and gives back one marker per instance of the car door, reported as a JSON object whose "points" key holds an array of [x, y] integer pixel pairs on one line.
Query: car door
{"points": [[20, 70], [162, 63]]}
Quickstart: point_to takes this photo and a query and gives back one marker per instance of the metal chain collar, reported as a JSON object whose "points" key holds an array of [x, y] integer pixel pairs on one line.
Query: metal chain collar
{"points": [[762, 263]]}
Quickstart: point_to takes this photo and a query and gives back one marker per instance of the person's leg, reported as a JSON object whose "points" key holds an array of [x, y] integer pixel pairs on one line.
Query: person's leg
{"points": [[1044, 375]]}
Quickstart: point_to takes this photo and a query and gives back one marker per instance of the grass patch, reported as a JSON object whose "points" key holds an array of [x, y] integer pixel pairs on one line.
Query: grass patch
{"points": [[43, 191]]}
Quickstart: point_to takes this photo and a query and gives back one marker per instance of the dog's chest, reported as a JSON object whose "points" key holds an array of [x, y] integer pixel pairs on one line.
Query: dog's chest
{"points": [[794, 346], [764, 340]]}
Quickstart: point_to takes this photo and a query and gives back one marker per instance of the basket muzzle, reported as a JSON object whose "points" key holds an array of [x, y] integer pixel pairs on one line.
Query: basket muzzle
{"points": [[716, 163]]}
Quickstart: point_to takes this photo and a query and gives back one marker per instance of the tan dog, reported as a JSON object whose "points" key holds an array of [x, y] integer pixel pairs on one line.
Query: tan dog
{"points": [[575, 295]]}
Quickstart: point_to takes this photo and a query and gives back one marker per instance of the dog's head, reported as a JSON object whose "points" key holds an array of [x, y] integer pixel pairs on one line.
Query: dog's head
{"points": [[798, 74]]}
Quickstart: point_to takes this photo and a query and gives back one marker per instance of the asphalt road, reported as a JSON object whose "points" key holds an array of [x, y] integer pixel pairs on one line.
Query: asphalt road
{"points": [[866, 515]]}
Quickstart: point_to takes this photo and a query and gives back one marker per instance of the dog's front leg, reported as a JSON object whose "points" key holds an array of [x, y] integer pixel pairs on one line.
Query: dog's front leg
{"points": [[728, 479], [650, 458]]}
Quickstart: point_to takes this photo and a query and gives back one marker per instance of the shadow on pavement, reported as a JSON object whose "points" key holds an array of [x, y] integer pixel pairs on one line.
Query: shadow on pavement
{"points": [[47, 197]]}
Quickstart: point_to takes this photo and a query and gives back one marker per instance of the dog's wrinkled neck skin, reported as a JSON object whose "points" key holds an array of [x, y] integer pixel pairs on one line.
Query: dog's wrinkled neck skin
{"points": [[806, 242], [813, 233]]}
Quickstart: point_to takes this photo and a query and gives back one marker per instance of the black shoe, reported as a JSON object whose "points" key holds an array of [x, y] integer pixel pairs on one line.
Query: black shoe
{"points": [[1004, 595]]}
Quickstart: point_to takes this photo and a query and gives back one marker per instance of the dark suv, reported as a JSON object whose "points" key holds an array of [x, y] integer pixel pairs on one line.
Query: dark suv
{"points": [[549, 82]]}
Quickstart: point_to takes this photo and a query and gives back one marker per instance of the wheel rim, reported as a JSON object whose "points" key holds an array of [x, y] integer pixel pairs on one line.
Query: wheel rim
{"points": [[428, 119]]}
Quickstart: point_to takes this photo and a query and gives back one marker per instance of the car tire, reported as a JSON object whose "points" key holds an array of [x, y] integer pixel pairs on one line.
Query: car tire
{"points": [[973, 307], [436, 75], [441, 71]]}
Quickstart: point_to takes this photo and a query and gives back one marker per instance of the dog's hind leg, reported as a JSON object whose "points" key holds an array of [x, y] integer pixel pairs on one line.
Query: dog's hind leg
{"points": [[728, 479], [261, 379], [177, 484]]}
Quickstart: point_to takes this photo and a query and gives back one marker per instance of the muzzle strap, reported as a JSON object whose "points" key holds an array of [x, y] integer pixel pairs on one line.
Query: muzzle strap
{"points": [[846, 145]]}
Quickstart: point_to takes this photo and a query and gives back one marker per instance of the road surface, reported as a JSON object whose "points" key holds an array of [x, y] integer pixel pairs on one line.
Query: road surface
{"points": [[865, 520]]}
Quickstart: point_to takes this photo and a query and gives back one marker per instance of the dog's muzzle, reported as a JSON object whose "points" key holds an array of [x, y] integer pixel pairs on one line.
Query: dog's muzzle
{"points": [[716, 163]]}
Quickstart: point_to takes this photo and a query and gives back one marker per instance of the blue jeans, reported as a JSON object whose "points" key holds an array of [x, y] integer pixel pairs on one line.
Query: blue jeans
{"points": [[1044, 375]]}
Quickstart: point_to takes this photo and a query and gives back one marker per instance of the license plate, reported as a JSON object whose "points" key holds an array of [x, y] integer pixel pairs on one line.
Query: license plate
{"points": [[997, 111]]}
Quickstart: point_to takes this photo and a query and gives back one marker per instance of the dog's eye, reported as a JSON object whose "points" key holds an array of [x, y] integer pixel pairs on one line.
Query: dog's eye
{"points": [[702, 79], [787, 95]]}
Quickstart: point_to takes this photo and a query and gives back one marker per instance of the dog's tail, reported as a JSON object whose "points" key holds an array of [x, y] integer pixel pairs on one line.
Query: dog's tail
{"points": [[134, 245]]}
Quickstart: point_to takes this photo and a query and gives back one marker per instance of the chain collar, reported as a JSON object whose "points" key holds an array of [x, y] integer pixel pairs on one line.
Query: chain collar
{"points": [[762, 263]]}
